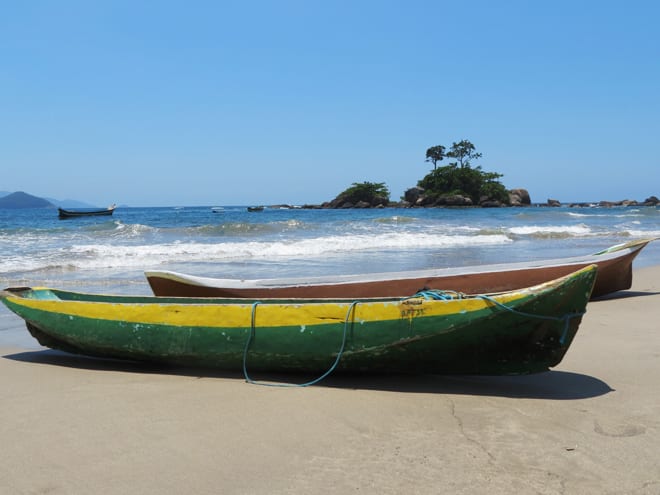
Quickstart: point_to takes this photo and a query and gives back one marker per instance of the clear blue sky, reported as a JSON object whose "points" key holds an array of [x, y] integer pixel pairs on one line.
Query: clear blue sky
{"points": [[157, 103]]}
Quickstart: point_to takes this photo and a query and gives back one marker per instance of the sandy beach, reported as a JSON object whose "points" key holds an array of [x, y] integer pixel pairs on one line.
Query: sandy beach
{"points": [[73, 425]]}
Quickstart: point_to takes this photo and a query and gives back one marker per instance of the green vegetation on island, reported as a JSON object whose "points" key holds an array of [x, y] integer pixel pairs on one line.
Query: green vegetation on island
{"points": [[455, 184], [460, 179], [362, 195]]}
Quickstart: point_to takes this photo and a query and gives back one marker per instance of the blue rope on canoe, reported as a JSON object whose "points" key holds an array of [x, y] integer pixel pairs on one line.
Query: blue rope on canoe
{"points": [[447, 295], [306, 384], [439, 295], [436, 295], [565, 318]]}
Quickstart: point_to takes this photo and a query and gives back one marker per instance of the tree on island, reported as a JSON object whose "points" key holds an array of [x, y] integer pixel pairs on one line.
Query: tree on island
{"points": [[435, 154], [459, 178], [363, 194], [463, 151]]}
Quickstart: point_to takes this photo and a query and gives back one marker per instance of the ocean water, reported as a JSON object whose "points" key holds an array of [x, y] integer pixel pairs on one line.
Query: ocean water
{"points": [[110, 254]]}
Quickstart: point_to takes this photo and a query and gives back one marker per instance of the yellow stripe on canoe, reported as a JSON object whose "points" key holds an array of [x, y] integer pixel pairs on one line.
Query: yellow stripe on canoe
{"points": [[266, 314]]}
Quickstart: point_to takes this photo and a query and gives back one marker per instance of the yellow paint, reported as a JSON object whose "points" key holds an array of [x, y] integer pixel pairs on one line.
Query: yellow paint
{"points": [[272, 315]]}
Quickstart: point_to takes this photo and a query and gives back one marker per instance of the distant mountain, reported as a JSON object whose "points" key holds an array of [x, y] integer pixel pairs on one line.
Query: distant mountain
{"points": [[63, 203], [23, 200]]}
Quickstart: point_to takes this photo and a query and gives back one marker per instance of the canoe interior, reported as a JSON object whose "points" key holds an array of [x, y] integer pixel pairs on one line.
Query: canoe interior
{"points": [[614, 274]]}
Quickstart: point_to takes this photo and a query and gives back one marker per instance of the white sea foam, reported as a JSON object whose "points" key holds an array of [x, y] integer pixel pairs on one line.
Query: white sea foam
{"points": [[646, 234], [314, 247], [631, 213], [90, 256], [577, 230]]}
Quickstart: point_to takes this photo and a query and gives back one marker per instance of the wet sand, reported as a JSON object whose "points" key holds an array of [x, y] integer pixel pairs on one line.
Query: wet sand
{"points": [[73, 425]]}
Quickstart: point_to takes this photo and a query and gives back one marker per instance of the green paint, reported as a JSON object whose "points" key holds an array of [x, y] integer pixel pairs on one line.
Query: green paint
{"points": [[486, 341]]}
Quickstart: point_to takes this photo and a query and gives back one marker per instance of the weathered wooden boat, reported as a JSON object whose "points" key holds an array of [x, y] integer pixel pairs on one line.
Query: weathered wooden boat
{"points": [[614, 274], [518, 332], [85, 212]]}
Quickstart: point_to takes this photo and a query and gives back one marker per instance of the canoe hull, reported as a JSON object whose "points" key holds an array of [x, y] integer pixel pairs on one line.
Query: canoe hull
{"points": [[65, 214], [614, 274], [515, 333]]}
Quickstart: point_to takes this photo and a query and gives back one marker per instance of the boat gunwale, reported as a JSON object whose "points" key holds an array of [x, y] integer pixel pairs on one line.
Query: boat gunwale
{"points": [[159, 310], [612, 253]]}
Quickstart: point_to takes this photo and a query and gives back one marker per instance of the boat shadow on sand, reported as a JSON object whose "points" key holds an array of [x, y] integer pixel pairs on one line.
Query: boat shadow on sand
{"points": [[552, 385], [624, 295]]}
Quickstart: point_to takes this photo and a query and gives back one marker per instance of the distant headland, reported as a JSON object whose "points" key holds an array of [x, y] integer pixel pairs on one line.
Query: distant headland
{"points": [[20, 200]]}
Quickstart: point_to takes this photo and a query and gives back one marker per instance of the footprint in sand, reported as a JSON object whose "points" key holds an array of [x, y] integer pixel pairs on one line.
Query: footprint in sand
{"points": [[614, 429]]}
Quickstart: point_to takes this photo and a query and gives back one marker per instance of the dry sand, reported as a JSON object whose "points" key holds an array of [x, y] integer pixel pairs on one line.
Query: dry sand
{"points": [[71, 425]]}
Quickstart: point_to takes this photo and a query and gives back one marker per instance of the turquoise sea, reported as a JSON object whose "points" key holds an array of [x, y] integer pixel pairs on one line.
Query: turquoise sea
{"points": [[109, 254]]}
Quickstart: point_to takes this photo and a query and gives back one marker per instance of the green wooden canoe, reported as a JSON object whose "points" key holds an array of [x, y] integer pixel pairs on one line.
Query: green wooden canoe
{"points": [[523, 331]]}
